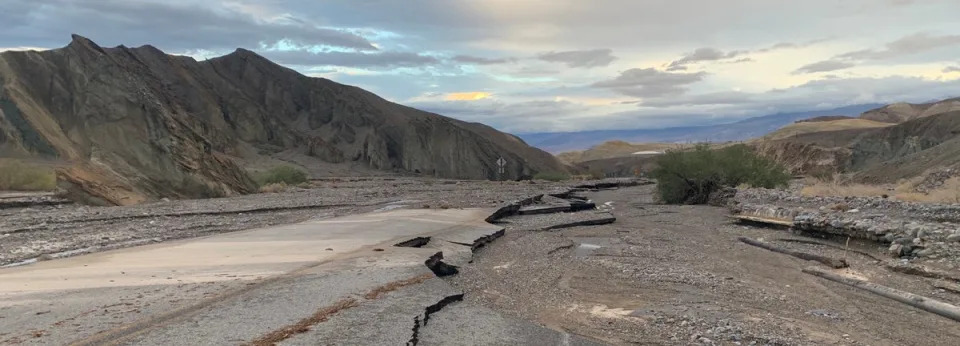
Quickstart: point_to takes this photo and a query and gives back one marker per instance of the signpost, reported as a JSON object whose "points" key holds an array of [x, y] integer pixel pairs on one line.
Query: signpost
{"points": [[501, 165]]}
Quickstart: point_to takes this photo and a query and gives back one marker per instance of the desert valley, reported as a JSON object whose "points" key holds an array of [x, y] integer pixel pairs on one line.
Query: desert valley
{"points": [[258, 197]]}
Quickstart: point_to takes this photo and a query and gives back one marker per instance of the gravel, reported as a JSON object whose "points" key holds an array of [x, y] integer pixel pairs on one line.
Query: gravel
{"points": [[677, 275]]}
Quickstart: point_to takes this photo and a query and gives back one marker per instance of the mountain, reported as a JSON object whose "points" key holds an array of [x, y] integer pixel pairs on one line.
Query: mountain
{"points": [[914, 140], [738, 131], [612, 149], [135, 124], [901, 112], [808, 126]]}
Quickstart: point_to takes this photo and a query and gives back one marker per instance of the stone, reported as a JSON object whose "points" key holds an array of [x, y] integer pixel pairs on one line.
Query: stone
{"points": [[925, 253], [953, 238], [895, 250], [904, 240], [890, 237]]}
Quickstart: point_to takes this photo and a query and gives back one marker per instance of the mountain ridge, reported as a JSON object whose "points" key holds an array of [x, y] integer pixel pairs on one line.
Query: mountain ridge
{"points": [[745, 129], [137, 124]]}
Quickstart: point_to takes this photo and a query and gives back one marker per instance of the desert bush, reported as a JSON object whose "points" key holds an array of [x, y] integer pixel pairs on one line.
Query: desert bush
{"points": [[551, 176], [690, 176], [19, 176], [288, 175]]}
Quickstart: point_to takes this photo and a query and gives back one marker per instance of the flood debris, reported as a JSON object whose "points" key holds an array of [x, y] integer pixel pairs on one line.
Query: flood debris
{"points": [[919, 270], [415, 242], [831, 262], [920, 302], [814, 242], [602, 220], [484, 240], [440, 268]]}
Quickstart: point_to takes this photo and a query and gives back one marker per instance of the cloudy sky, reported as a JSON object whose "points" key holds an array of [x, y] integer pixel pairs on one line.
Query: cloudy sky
{"points": [[553, 65]]}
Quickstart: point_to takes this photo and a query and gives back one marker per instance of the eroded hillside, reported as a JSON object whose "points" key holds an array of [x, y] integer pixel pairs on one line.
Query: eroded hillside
{"points": [[135, 123]]}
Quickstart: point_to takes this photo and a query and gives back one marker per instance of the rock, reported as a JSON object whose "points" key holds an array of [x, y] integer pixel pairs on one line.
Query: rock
{"points": [[904, 240], [895, 250], [890, 237], [953, 238], [925, 253], [853, 211]]}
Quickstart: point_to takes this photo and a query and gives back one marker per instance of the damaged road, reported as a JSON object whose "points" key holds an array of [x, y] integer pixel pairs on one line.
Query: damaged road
{"points": [[360, 279]]}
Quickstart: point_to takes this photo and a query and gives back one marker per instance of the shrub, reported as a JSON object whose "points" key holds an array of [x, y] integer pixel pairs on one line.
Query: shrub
{"points": [[16, 175], [551, 176], [690, 176], [281, 174]]}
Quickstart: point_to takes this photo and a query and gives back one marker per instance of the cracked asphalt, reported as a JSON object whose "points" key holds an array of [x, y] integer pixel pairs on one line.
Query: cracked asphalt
{"points": [[338, 281]]}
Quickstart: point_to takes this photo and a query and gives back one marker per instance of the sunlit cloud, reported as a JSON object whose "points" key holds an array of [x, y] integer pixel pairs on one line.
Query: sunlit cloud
{"points": [[468, 96]]}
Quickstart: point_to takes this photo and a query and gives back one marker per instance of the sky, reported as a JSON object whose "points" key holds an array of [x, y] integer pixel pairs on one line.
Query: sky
{"points": [[553, 65]]}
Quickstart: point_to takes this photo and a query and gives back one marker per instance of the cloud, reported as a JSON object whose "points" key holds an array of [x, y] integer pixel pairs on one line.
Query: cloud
{"points": [[949, 69], [791, 45], [713, 54], [170, 25], [742, 60], [649, 82], [524, 116], [467, 96], [581, 58], [469, 59], [703, 54], [351, 59], [824, 66], [716, 98], [907, 45]]}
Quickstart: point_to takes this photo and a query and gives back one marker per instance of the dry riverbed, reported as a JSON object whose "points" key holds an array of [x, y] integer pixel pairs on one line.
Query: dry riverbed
{"points": [[678, 275]]}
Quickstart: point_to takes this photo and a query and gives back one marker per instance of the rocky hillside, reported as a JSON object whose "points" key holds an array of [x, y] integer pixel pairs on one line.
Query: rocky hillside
{"points": [[877, 154], [901, 112], [136, 124], [813, 125]]}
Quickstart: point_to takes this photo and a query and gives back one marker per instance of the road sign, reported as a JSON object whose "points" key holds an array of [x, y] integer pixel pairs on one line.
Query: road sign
{"points": [[501, 163]]}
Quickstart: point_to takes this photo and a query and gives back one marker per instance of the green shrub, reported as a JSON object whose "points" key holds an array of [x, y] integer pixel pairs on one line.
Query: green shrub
{"points": [[288, 175], [691, 176], [551, 176], [19, 176]]}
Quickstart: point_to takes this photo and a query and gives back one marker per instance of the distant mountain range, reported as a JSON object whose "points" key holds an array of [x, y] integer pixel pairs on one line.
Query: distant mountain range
{"points": [[557, 142]]}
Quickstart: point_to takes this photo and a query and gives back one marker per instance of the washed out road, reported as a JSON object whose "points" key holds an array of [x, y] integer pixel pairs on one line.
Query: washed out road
{"points": [[331, 281]]}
